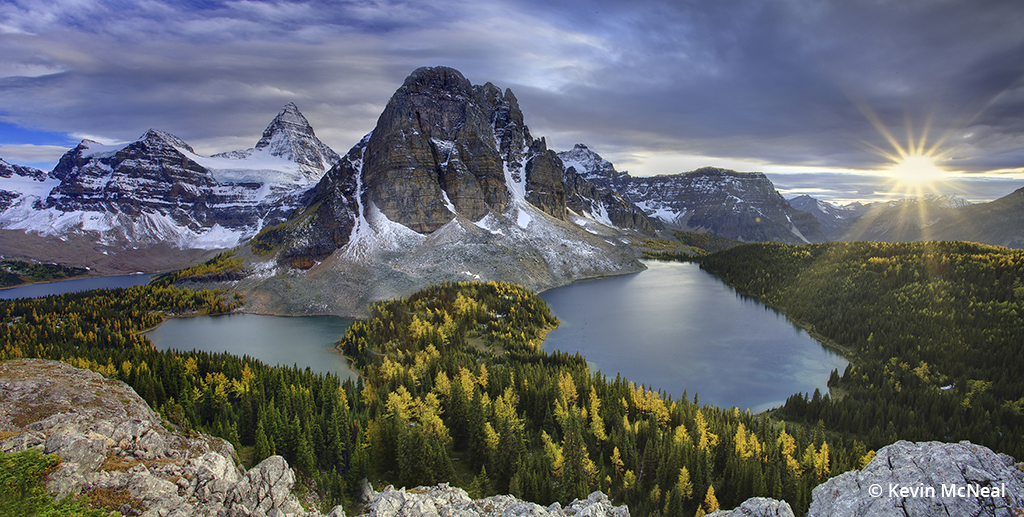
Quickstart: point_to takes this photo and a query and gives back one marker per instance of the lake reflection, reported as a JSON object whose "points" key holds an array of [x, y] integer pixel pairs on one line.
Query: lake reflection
{"points": [[677, 328], [306, 341]]}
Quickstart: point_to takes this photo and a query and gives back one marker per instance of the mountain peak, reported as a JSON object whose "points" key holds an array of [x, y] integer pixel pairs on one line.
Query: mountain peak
{"points": [[290, 136], [587, 162], [288, 121], [437, 78], [155, 135]]}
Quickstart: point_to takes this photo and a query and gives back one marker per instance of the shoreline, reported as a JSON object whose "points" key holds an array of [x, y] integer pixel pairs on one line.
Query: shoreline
{"points": [[334, 346]]}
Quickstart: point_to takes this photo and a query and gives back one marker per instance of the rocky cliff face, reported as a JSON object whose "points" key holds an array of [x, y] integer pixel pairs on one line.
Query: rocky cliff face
{"points": [[449, 186], [443, 147], [601, 203], [110, 440], [737, 205], [158, 191]]}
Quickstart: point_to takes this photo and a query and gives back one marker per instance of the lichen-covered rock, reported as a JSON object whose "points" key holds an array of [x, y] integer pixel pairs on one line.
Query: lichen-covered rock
{"points": [[921, 479], [449, 501], [108, 438], [757, 507]]}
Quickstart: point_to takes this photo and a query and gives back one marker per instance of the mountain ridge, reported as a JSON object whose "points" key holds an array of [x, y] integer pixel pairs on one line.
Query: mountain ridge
{"points": [[737, 205], [157, 192], [930, 217]]}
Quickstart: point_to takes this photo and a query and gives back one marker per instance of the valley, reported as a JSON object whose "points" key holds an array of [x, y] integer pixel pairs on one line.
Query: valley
{"points": [[509, 330]]}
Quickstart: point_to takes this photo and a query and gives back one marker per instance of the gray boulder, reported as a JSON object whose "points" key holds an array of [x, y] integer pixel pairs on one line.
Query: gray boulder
{"points": [[450, 501], [108, 438], [921, 479], [757, 507]]}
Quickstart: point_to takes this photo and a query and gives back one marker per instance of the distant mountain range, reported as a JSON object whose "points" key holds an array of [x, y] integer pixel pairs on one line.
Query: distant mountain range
{"points": [[737, 205], [931, 217], [449, 185]]}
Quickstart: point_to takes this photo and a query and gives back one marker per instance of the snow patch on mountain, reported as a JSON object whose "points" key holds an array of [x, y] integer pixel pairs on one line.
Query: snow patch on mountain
{"points": [[157, 189]]}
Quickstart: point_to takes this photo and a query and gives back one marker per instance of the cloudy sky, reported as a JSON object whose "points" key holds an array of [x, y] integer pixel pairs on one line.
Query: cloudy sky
{"points": [[813, 92]]}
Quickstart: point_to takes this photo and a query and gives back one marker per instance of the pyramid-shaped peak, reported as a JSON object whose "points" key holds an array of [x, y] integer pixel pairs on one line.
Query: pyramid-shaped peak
{"points": [[290, 136], [157, 136], [288, 121]]}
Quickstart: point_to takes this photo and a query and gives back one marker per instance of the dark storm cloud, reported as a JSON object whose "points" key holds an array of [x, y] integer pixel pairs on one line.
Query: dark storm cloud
{"points": [[786, 83]]}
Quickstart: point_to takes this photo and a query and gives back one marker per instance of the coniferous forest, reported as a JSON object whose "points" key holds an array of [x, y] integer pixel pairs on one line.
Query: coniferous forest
{"points": [[456, 387], [934, 330]]}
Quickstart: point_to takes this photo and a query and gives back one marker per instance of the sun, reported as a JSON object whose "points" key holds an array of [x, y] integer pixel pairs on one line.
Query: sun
{"points": [[917, 170], [916, 164]]}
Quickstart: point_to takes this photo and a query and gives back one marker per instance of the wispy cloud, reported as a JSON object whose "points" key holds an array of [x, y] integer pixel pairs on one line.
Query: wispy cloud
{"points": [[775, 84]]}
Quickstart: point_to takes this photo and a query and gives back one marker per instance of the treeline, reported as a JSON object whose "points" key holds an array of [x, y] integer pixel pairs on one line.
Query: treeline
{"points": [[685, 245], [935, 329], [224, 266], [460, 390], [303, 416], [17, 272]]}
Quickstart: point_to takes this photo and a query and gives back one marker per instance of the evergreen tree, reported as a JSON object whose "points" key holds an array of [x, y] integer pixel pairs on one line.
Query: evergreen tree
{"points": [[261, 450]]}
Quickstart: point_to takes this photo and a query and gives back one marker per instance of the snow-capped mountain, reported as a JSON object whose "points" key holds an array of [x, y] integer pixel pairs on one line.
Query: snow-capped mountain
{"points": [[290, 138], [158, 190], [18, 181], [448, 186], [737, 205], [599, 203], [835, 220]]}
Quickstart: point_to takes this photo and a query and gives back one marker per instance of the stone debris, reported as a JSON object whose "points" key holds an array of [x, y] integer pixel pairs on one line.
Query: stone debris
{"points": [[757, 507]]}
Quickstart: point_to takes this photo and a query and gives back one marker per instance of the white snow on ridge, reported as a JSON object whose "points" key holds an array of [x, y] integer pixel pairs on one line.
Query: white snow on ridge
{"points": [[94, 149], [27, 186], [258, 167], [111, 228], [375, 233]]}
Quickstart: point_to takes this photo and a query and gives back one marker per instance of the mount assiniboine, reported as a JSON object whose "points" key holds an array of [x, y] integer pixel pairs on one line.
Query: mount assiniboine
{"points": [[157, 194]]}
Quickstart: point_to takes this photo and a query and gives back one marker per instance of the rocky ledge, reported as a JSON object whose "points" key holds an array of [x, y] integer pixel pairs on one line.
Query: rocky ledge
{"points": [[112, 443], [454, 502]]}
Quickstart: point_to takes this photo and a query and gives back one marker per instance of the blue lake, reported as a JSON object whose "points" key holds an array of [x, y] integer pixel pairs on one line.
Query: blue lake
{"points": [[672, 327], [304, 342], [680, 329], [73, 286]]}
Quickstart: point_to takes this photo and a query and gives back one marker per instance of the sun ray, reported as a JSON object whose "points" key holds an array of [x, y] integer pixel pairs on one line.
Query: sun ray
{"points": [[916, 168]]}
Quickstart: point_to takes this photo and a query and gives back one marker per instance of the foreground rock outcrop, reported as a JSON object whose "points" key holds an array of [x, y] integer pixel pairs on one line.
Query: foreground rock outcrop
{"points": [[111, 442], [929, 478], [450, 501], [908, 479]]}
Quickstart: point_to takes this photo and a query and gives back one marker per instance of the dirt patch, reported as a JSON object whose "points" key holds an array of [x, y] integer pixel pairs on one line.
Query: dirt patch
{"points": [[115, 501], [115, 463], [39, 410]]}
